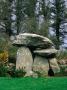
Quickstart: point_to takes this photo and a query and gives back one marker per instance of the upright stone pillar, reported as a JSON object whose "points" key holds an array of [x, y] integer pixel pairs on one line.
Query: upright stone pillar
{"points": [[24, 59], [41, 65], [54, 65]]}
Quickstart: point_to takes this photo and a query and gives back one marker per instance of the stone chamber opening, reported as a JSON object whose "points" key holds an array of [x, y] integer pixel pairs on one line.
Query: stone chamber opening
{"points": [[50, 72]]}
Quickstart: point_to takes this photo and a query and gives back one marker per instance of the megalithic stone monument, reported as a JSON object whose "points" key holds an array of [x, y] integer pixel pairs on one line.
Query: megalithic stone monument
{"points": [[34, 54]]}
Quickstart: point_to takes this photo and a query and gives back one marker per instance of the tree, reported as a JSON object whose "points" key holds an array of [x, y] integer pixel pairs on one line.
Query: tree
{"points": [[19, 13], [31, 16], [57, 11], [46, 14], [25, 13], [6, 15], [30, 8], [43, 17]]}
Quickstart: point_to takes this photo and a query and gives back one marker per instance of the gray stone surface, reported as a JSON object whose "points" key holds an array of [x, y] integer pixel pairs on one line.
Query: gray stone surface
{"points": [[46, 52], [24, 59], [41, 65], [54, 65], [31, 74], [32, 40]]}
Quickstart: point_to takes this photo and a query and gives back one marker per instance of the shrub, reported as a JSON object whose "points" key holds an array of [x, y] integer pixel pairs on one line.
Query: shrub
{"points": [[4, 57], [3, 70], [17, 73], [62, 72], [62, 55]]}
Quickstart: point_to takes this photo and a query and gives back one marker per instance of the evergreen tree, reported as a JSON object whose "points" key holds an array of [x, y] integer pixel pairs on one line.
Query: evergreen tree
{"points": [[5, 14], [19, 14], [57, 11], [43, 17]]}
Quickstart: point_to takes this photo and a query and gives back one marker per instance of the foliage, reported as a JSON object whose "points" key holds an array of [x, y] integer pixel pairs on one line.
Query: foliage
{"points": [[6, 71], [44, 30], [58, 13], [62, 72], [12, 51], [3, 41], [25, 13], [11, 70], [55, 41], [29, 25], [62, 55], [4, 45], [43, 13], [5, 16], [4, 57], [3, 70], [18, 73], [30, 8], [29, 13]]}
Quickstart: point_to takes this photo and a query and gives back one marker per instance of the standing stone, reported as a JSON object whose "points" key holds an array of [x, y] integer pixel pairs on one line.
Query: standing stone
{"points": [[54, 65], [24, 59], [41, 65]]}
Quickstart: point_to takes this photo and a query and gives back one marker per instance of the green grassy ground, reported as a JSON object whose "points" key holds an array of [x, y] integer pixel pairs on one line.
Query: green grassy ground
{"points": [[33, 83]]}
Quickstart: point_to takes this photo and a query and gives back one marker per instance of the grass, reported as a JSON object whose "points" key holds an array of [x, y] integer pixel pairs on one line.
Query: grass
{"points": [[56, 83]]}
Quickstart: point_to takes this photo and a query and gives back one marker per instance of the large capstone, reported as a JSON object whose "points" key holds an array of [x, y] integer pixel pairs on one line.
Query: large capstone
{"points": [[32, 41], [24, 59]]}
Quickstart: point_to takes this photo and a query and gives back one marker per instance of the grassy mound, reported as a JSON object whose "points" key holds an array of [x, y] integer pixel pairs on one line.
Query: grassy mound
{"points": [[33, 83]]}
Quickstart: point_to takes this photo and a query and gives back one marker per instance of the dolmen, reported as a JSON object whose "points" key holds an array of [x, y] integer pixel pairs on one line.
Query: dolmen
{"points": [[36, 55]]}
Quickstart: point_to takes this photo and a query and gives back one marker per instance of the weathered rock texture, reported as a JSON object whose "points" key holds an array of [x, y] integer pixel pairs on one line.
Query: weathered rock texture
{"points": [[41, 65], [54, 65], [36, 54], [33, 41], [47, 53], [24, 59]]}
